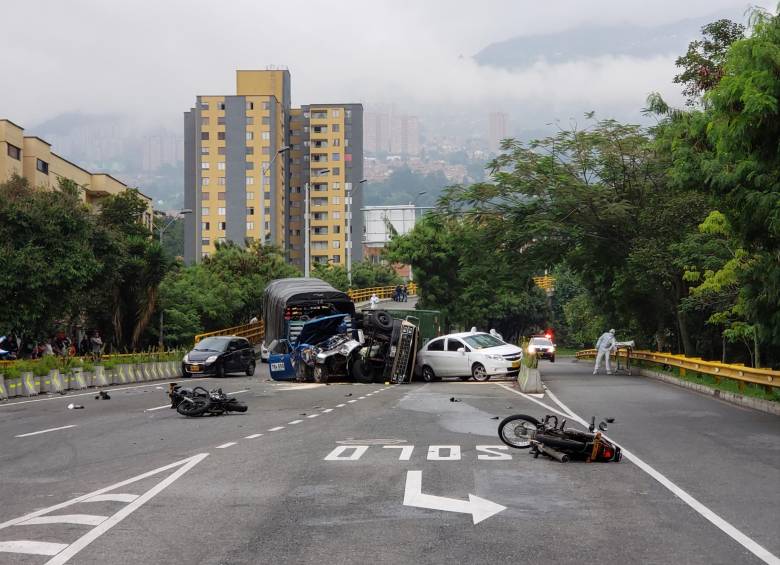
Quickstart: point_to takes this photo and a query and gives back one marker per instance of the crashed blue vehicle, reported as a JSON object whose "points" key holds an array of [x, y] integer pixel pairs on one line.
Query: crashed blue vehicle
{"points": [[313, 333]]}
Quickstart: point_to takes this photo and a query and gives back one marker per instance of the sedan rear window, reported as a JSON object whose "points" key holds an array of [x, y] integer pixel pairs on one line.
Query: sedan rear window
{"points": [[483, 341]]}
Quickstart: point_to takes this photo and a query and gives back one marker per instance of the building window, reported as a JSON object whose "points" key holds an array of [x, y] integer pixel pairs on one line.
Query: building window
{"points": [[221, 135], [250, 136], [250, 150], [204, 241], [335, 171], [266, 180], [337, 258], [204, 181], [250, 226], [42, 166], [204, 136], [266, 121], [250, 211], [249, 180], [336, 244], [335, 128], [204, 211], [335, 113], [204, 195], [336, 229], [266, 150], [267, 210], [204, 150], [250, 195], [335, 199], [336, 157], [221, 165], [205, 165], [336, 215], [250, 166], [250, 105], [266, 135], [337, 185], [336, 142], [204, 105], [221, 211], [220, 196], [266, 106], [205, 226], [250, 121], [221, 181], [221, 150], [221, 105], [204, 121], [223, 226]]}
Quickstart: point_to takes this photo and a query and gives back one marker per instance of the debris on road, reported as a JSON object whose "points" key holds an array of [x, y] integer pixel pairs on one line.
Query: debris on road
{"points": [[494, 418], [102, 395], [72, 406], [453, 399], [350, 394]]}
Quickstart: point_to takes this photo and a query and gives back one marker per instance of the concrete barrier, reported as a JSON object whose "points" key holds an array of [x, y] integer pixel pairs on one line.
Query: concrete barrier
{"points": [[31, 385], [100, 378], [529, 380], [77, 379], [56, 383], [130, 372], [175, 369], [14, 386], [3, 390]]}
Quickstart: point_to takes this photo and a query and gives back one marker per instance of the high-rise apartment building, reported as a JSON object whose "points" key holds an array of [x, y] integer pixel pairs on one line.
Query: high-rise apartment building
{"points": [[498, 129], [249, 160]]}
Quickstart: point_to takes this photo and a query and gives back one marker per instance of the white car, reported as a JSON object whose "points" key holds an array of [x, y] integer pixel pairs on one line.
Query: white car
{"points": [[466, 355]]}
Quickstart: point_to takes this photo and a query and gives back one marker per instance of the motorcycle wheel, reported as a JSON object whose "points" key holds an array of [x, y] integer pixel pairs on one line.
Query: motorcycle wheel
{"points": [[516, 431], [197, 407], [235, 406]]}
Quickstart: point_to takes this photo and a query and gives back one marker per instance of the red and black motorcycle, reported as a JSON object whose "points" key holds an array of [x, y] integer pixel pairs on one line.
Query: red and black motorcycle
{"points": [[558, 442]]}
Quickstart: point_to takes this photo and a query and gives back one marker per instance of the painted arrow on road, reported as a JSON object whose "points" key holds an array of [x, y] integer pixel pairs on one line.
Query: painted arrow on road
{"points": [[479, 508]]}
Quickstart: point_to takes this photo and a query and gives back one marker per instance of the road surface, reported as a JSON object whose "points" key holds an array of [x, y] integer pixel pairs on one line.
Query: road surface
{"points": [[386, 474]]}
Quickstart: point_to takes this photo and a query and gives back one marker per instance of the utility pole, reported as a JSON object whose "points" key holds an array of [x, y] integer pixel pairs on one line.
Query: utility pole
{"points": [[162, 231]]}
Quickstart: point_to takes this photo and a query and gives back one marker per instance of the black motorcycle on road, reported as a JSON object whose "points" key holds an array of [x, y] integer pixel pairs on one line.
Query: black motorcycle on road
{"points": [[194, 402], [556, 441]]}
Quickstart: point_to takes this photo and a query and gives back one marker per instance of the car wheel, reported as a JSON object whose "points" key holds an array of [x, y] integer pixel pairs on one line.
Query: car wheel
{"points": [[428, 375], [250, 369], [479, 373], [552, 359]]}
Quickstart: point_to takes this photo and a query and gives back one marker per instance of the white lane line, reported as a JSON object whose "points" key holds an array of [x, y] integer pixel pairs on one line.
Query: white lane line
{"points": [[225, 445], [186, 464], [276, 429], [351, 401], [238, 391], [340, 405], [327, 410], [748, 543], [158, 407], [86, 519], [112, 497], [312, 415], [253, 436], [31, 547], [66, 396], [294, 422], [46, 431], [67, 554], [361, 398]]}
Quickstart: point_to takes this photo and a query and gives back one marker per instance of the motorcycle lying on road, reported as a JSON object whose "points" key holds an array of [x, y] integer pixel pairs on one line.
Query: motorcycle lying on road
{"points": [[556, 441], [194, 402]]}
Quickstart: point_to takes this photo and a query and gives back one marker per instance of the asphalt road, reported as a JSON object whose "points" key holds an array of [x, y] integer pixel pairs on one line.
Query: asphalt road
{"points": [[314, 474]]}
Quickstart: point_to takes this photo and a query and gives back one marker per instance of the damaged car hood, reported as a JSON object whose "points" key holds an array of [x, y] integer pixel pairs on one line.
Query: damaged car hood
{"points": [[320, 329]]}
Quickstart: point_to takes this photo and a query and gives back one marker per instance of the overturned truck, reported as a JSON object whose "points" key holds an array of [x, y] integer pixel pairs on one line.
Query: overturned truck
{"points": [[313, 333]]}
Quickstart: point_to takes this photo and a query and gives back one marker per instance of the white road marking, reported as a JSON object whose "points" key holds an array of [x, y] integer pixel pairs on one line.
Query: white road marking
{"points": [[158, 407], [327, 410], [479, 508], [406, 451], [112, 497], [361, 398], [46, 431], [294, 422], [226, 445], [86, 519], [238, 391], [338, 453], [253, 436], [66, 396], [452, 453], [276, 429], [312, 415], [340, 405], [32, 547], [748, 543], [351, 401]]}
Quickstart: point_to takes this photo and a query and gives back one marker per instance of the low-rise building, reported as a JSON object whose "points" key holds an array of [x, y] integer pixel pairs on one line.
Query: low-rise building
{"points": [[32, 158]]}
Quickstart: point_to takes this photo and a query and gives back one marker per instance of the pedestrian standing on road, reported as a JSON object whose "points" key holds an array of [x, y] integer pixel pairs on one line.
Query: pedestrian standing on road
{"points": [[254, 320], [374, 300], [604, 346], [404, 294]]}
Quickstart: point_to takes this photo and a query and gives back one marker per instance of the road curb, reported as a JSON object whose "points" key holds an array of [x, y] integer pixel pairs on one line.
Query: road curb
{"points": [[759, 404]]}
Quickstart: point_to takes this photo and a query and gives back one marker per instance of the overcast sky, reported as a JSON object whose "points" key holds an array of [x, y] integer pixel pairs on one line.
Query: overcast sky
{"points": [[150, 58]]}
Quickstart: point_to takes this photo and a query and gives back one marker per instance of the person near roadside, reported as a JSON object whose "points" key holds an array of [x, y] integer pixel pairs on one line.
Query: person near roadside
{"points": [[404, 294], [604, 346], [374, 300], [96, 345]]}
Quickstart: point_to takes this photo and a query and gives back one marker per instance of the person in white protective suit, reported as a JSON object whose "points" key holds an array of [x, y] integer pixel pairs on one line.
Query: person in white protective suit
{"points": [[605, 344], [374, 300]]}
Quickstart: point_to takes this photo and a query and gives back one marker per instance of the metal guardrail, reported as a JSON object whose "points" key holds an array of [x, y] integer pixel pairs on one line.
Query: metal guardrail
{"points": [[253, 332], [740, 373], [364, 294]]}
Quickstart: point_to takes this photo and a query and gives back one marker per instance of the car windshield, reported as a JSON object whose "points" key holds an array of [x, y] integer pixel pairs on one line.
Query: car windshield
{"points": [[212, 344], [483, 341], [540, 341]]}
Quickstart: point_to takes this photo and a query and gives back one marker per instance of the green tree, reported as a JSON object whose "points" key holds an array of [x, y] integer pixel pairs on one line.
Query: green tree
{"points": [[366, 274], [46, 259], [334, 275]]}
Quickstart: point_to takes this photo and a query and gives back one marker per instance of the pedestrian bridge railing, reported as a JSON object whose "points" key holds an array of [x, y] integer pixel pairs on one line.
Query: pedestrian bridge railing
{"points": [[364, 294], [739, 373], [254, 332]]}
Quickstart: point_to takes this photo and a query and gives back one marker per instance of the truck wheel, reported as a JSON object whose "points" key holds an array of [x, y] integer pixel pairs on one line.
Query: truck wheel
{"points": [[381, 320]]}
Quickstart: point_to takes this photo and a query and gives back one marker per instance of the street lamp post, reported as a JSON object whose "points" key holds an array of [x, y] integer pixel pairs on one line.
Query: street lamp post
{"points": [[349, 230], [307, 227], [162, 231], [266, 171]]}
